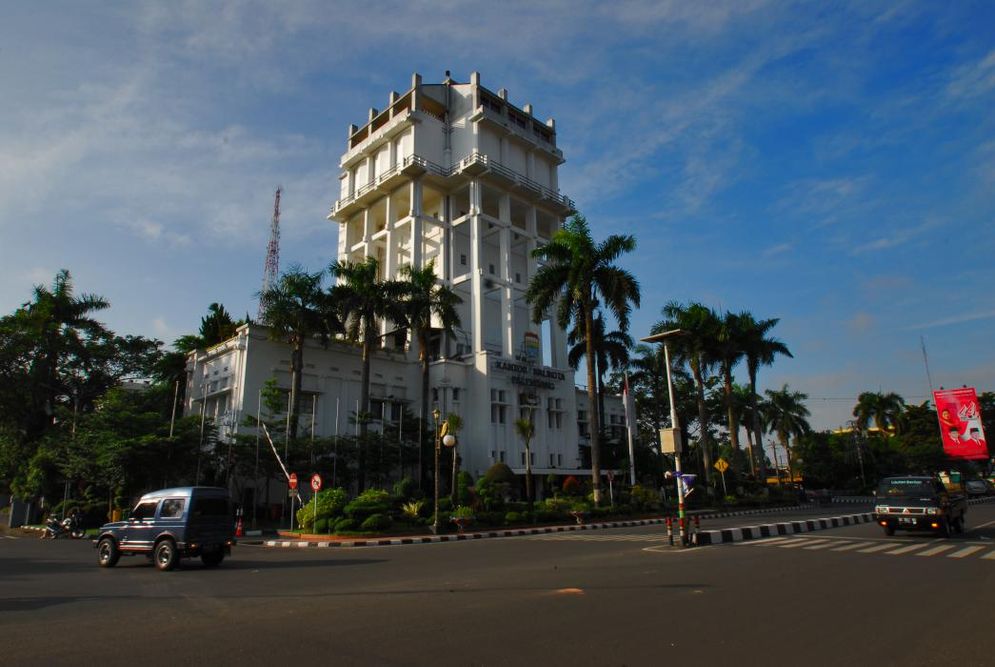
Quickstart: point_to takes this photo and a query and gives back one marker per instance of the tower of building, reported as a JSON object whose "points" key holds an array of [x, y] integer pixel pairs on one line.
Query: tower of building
{"points": [[454, 174]]}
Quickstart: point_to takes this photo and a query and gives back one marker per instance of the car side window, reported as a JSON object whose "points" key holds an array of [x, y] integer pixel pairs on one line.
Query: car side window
{"points": [[144, 510], [172, 508]]}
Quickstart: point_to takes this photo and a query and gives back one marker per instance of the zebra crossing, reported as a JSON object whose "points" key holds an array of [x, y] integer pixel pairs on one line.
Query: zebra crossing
{"points": [[957, 550], [599, 537]]}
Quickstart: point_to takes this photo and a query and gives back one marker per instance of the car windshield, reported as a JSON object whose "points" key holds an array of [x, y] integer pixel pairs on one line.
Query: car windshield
{"points": [[905, 487]]}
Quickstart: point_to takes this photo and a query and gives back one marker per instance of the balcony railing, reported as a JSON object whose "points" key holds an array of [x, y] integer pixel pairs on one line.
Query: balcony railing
{"points": [[459, 166]]}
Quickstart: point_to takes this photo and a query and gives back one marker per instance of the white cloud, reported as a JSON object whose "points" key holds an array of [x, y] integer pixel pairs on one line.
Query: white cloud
{"points": [[973, 79], [955, 319]]}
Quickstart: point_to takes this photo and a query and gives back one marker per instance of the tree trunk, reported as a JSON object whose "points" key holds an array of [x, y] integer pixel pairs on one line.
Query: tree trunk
{"points": [[592, 400], [528, 476], [296, 379], [787, 456], [757, 435], [364, 407], [731, 422], [706, 444]]}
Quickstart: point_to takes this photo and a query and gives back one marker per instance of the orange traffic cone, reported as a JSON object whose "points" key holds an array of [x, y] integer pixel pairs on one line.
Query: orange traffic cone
{"points": [[239, 528]]}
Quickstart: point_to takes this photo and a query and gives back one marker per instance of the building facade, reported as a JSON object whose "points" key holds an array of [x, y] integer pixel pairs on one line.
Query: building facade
{"points": [[454, 176]]}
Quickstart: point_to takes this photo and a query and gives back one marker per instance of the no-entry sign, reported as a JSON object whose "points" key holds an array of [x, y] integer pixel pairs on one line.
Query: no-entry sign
{"points": [[292, 480], [316, 482]]}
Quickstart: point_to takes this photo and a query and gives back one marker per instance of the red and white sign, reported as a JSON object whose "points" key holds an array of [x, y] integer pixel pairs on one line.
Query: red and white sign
{"points": [[316, 482], [960, 423], [292, 480]]}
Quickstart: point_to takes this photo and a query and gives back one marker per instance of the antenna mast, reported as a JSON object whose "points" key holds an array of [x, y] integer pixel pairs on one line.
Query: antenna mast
{"points": [[272, 268], [925, 361]]}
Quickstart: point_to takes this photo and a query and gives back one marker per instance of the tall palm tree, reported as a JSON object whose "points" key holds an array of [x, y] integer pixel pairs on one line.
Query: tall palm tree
{"points": [[648, 378], [885, 410], [575, 276], [760, 351], [728, 352], [61, 320], [611, 351], [696, 348], [742, 402], [296, 309], [786, 414], [363, 298], [526, 430], [427, 300]]}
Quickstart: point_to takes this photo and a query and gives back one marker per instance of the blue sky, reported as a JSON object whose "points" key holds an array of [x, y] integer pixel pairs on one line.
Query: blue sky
{"points": [[831, 164]]}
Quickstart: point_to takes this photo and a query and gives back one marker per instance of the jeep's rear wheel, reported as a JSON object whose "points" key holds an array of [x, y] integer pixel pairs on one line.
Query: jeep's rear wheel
{"points": [[107, 552], [165, 555], [213, 557]]}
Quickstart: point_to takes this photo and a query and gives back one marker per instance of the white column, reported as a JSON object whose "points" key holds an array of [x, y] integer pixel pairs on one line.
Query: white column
{"points": [[507, 303], [367, 232], [417, 229], [476, 270], [390, 256]]}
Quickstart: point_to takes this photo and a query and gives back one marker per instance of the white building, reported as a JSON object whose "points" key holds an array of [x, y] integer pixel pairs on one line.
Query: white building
{"points": [[453, 174]]}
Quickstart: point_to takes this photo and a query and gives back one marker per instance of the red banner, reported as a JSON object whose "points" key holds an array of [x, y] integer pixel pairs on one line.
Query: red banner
{"points": [[960, 423]]}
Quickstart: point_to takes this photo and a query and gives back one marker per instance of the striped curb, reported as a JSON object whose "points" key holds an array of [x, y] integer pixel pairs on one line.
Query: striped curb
{"points": [[853, 499], [707, 537], [430, 539]]}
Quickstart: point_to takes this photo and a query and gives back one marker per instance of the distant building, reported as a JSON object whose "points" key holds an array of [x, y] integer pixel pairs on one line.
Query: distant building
{"points": [[454, 174]]}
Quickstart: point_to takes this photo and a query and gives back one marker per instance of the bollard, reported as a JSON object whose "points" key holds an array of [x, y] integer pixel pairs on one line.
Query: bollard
{"points": [[684, 534], [670, 530]]}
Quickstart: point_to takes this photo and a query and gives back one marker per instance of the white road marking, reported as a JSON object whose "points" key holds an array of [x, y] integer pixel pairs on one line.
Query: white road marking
{"points": [[855, 545], [936, 550], [983, 525], [763, 542], [822, 546], [966, 551], [800, 543], [989, 556], [905, 550], [877, 547]]}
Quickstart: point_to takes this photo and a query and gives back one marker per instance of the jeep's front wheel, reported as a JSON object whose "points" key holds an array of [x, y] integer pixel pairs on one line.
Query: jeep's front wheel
{"points": [[165, 555], [213, 557], [107, 552]]}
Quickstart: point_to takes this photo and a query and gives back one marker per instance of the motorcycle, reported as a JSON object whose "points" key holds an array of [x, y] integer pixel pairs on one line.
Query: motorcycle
{"points": [[70, 526]]}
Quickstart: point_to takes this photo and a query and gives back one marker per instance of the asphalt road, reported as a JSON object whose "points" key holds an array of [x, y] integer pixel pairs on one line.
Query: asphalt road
{"points": [[615, 597]]}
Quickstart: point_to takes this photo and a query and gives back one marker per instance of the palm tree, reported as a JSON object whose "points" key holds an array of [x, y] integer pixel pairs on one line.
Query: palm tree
{"points": [[297, 309], [728, 352], [363, 299], [742, 403], [760, 351], [696, 347], [786, 414], [526, 430], [650, 379], [885, 410], [577, 274], [62, 320], [611, 351], [425, 300]]}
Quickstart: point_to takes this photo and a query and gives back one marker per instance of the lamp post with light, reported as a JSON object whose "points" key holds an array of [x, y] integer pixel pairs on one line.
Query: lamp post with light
{"points": [[441, 435], [672, 443]]}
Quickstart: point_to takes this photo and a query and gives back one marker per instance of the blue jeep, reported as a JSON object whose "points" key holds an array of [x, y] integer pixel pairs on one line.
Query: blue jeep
{"points": [[171, 524]]}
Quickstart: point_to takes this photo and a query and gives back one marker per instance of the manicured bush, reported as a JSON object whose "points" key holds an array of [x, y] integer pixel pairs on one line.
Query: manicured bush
{"points": [[642, 498], [321, 526], [464, 492], [406, 489], [330, 505], [344, 525], [375, 523], [500, 472], [490, 518], [368, 503], [513, 518], [571, 486], [558, 504]]}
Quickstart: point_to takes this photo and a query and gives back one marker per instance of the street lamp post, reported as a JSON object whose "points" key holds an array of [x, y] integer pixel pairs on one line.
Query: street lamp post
{"points": [[681, 513], [438, 443]]}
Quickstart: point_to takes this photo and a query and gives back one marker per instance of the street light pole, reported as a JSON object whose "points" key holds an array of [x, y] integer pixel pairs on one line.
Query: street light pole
{"points": [[681, 514], [438, 443]]}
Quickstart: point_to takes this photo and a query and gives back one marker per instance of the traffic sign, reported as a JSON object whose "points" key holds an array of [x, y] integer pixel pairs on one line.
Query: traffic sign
{"points": [[292, 480], [721, 465], [316, 482]]}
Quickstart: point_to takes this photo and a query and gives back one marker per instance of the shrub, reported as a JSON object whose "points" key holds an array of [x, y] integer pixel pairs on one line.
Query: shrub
{"points": [[413, 509], [321, 526], [368, 503], [557, 504], [463, 512], [571, 486], [376, 523], [642, 498], [513, 517], [546, 516], [330, 504], [406, 489], [344, 525], [464, 494], [490, 518], [500, 473]]}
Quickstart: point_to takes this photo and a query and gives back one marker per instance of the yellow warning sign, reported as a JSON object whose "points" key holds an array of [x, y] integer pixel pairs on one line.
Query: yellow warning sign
{"points": [[721, 465]]}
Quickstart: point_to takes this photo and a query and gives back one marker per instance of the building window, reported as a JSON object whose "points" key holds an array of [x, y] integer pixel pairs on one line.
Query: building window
{"points": [[462, 259], [552, 460], [455, 393], [499, 407], [501, 456], [518, 277], [490, 268], [554, 408]]}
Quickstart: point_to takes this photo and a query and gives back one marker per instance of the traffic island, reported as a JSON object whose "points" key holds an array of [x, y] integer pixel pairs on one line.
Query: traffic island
{"points": [[727, 535]]}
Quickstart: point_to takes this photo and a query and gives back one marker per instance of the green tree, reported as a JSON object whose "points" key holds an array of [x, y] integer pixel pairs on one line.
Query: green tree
{"points": [[729, 349], [217, 326], [526, 430], [426, 301], [695, 347], [363, 298], [297, 309], [576, 275], [884, 410], [611, 351], [785, 414], [760, 350]]}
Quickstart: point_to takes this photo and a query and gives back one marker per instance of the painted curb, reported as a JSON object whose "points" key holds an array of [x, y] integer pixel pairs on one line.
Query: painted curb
{"points": [[727, 535], [516, 532]]}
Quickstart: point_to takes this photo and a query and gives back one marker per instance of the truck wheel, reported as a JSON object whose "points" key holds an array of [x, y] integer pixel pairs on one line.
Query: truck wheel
{"points": [[889, 531], [213, 557], [165, 555], [107, 552]]}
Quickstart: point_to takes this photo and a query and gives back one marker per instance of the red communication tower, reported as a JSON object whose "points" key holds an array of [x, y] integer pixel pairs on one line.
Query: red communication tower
{"points": [[272, 268]]}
